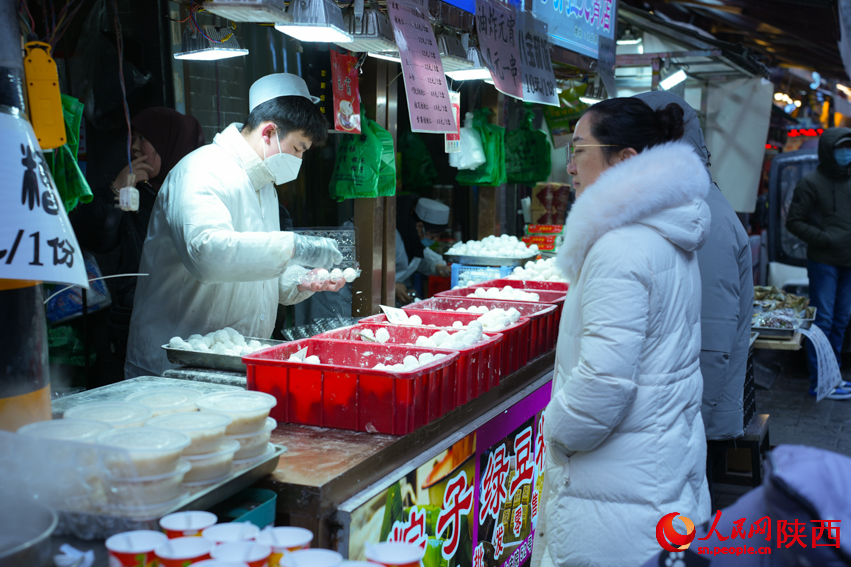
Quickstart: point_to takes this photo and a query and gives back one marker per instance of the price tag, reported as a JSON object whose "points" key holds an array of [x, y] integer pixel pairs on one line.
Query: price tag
{"points": [[395, 315], [539, 80], [429, 105], [452, 142], [497, 26], [36, 239], [300, 355], [829, 376]]}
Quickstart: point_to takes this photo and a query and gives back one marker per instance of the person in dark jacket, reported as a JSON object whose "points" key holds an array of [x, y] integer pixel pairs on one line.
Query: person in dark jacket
{"points": [[726, 278], [161, 138], [820, 215]]}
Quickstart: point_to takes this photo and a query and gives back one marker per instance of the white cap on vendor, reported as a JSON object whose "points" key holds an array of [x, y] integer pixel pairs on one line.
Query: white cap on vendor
{"points": [[275, 85], [432, 213], [842, 140]]}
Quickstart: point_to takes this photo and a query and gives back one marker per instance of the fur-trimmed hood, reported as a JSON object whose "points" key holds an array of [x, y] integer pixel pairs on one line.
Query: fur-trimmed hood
{"points": [[662, 187]]}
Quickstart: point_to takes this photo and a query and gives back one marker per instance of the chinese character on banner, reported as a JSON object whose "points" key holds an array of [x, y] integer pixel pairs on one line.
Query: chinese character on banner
{"points": [[827, 528], [496, 24], [533, 515], [457, 501], [761, 526], [539, 80], [498, 538], [413, 530], [517, 526], [493, 484], [525, 461], [344, 79], [479, 556], [789, 533], [540, 447]]}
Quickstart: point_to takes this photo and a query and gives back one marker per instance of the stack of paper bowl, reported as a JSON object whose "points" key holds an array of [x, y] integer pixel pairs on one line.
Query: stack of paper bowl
{"points": [[251, 425], [164, 401], [153, 474], [212, 467], [118, 414]]}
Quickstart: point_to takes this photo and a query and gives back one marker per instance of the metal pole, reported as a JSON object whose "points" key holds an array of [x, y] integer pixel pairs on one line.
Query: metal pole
{"points": [[24, 379]]}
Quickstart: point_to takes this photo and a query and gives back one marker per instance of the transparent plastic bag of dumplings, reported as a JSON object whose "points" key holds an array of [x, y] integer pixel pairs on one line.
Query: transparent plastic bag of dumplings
{"points": [[472, 153]]}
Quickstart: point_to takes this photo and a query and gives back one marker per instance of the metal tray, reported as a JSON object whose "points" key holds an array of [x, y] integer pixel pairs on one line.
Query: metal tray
{"points": [[210, 359], [807, 322], [772, 333], [100, 526], [488, 260]]}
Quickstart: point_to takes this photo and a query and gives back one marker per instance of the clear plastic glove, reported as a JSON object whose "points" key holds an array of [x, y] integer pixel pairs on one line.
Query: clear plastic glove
{"points": [[315, 251], [321, 285]]}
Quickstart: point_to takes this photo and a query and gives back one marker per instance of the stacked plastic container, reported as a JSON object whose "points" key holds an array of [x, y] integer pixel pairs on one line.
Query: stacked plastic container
{"points": [[544, 296]]}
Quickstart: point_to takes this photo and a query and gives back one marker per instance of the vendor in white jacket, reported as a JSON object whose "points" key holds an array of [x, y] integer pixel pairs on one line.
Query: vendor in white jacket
{"points": [[214, 253], [624, 436]]}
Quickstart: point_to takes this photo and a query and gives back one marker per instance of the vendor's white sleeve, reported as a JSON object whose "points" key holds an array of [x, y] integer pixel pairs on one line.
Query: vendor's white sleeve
{"points": [[431, 260], [288, 292], [202, 230], [401, 258], [598, 392]]}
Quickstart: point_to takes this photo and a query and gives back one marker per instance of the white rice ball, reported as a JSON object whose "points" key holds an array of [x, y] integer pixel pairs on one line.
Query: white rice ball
{"points": [[439, 338], [382, 335], [457, 325], [222, 336], [254, 344], [202, 347], [350, 274], [176, 342], [367, 333], [209, 340], [425, 358], [410, 361], [194, 338], [336, 274], [415, 320], [379, 366], [218, 348], [313, 359]]}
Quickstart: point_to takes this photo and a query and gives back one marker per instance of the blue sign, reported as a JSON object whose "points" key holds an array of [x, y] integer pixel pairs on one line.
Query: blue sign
{"points": [[576, 24]]}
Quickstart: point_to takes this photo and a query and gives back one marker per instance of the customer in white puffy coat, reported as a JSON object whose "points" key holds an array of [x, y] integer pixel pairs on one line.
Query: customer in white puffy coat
{"points": [[625, 439]]}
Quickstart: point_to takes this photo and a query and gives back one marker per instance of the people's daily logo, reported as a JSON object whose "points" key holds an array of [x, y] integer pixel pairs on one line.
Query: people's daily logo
{"points": [[669, 538]]}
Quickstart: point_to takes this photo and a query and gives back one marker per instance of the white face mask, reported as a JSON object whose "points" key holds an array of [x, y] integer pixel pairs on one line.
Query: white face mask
{"points": [[283, 166]]}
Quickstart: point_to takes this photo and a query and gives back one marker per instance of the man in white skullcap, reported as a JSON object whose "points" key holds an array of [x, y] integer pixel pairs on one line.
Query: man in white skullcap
{"points": [[418, 225], [214, 253]]}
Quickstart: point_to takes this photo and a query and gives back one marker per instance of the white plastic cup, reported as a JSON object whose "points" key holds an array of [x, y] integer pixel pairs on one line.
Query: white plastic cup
{"points": [[183, 551], [253, 553], [283, 540], [233, 531], [126, 548], [220, 563], [187, 524], [312, 558], [395, 554]]}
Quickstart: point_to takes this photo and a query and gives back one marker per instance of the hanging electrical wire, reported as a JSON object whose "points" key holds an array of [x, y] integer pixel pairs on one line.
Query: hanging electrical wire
{"points": [[120, 46], [194, 9]]}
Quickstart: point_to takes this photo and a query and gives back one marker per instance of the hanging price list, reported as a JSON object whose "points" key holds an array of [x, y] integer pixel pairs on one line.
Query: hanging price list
{"points": [[422, 68], [539, 81], [496, 24]]}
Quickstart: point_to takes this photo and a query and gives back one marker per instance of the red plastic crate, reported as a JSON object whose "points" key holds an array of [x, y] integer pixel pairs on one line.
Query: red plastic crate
{"points": [[543, 317], [515, 336], [525, 284], [344, 392], [551, 297], [477, 368]]}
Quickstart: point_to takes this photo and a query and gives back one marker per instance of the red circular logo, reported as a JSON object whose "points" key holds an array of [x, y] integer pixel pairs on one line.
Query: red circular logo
{"points": [[669, 538]]}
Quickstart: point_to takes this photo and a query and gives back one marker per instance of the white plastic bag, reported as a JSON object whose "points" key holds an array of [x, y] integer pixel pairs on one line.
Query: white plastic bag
{"points": [[472, 154]]}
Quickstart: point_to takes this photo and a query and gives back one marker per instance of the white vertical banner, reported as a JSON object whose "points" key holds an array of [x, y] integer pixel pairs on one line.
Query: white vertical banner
{"points": [[536, 68], [737, 117], [829, 376], [36, 239]]}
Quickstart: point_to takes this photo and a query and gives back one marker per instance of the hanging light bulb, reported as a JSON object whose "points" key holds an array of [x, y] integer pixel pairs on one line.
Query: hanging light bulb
{"points": [[219, 43], [477, 70], [318, 21]]}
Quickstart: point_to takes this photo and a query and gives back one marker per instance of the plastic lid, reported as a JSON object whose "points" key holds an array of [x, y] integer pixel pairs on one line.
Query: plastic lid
{"points": [[312, 558], [66, 429], [233, 402], [221, 563], [137, 541], [189, 520], [267, 427], [231, 531], [394, 553], [144, 439], [244, 550], [117, 414], [167, 399], [285, 536], [182, 468], [270, 450], [190, 421], [224, 447]]}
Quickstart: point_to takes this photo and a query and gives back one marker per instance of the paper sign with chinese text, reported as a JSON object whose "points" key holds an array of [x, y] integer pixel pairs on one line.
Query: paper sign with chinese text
{"points": [[829, 376], [497, 26], [577, 24], [344, 81], [36, 239], [429, 106], [452, 142], [539, 80]]}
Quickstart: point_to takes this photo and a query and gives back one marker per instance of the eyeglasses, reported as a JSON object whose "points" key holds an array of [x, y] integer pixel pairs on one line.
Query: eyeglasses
{"points": [[570, 150]]}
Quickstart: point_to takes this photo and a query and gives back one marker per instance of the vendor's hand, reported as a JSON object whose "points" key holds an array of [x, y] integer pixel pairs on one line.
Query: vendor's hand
{"points": [[326, 285], [443, 270], [402, 293], [315, 251], [140, 170]]}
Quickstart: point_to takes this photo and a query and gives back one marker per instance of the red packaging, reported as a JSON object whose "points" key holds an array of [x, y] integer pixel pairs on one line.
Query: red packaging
{"points": [[344, 77], [544, 228], [345, 392]]}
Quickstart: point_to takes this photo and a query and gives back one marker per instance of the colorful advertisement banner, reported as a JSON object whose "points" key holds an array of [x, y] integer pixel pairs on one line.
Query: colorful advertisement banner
{"points": [[452, 142], [497, 26], [576, 24], [474, 504], [429, 106], [344, 78]]}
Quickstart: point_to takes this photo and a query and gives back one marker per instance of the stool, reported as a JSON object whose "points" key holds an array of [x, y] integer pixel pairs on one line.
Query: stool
{"points": [[755, 439]]}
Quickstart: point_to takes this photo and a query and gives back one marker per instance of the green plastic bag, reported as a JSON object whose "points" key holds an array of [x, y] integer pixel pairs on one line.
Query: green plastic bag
{"points": [[62, 162], [492, 172], [418, 171], [366, 164], [528, 156]]}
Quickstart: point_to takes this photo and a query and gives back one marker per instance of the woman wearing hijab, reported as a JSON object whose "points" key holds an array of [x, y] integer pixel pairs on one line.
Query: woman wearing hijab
{"points": [[161, 137]]}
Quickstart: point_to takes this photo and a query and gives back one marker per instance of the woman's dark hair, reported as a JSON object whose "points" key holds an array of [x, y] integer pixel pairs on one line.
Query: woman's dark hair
{"points": [[290, 114], [631, 123]]}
